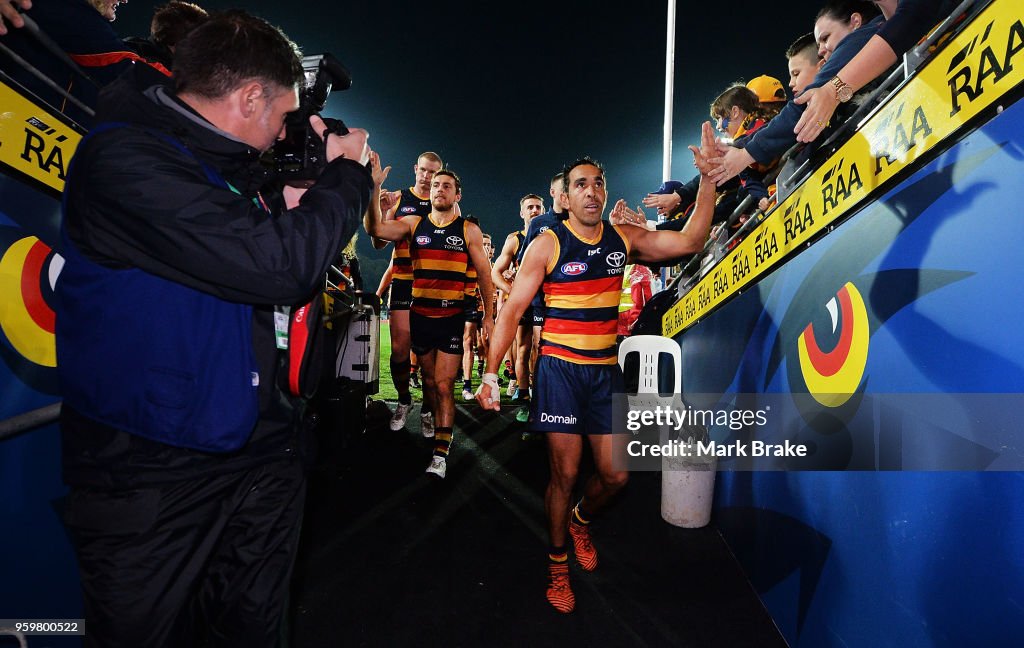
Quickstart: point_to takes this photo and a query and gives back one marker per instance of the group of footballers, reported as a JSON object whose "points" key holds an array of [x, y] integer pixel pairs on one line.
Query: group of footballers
{"points": [[562, 278]]}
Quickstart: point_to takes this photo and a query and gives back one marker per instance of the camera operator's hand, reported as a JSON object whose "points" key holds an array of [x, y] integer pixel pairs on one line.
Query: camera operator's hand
{"points": [[292, 195], [9, 11], [351, 147]]}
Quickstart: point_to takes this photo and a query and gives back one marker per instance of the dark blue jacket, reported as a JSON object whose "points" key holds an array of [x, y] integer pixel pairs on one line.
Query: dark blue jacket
{"points": [[777, 137], [165, 334], [912, 20]]}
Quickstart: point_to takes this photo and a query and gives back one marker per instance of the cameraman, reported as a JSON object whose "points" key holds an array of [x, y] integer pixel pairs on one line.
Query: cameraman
{"points": [[182, 454]]}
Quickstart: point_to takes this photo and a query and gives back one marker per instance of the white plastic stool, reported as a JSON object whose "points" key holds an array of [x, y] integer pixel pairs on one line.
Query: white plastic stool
{"points": [[687, 486], [650, 348]]}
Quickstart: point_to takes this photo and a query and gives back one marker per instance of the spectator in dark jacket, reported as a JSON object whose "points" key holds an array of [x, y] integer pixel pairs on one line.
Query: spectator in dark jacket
{"points": [[842, 28], [906, 21], [736, 113], [171, 23], [82, 29]]}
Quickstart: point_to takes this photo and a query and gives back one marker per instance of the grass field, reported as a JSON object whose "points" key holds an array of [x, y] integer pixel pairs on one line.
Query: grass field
{"points": [[387, 386]]}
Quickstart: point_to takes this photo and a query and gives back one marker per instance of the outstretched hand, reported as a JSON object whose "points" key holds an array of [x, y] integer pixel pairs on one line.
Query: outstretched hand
{"points": [[388, 199], [708, 149], [664, 203], [9, 12], [821, 105], [378, 174], [727, 162], [621, 214]]}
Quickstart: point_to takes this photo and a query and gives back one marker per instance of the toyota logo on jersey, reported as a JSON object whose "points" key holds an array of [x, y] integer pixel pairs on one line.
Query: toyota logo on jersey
{"points": [[454, 240], [616, 259], [574, 268]]}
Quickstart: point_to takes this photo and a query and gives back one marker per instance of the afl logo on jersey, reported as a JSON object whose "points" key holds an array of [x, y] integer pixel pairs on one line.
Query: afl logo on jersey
{"points": [[543, 229], [408, 210], [616, 259], [454, 240], [422, 240], [574, 268]]}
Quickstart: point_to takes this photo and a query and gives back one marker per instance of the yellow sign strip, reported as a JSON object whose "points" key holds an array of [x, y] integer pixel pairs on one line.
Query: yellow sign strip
{"points": [[33, 141], [971, 73]]}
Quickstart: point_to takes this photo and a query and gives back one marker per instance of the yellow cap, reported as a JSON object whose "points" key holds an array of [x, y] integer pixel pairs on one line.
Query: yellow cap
{"points": [[768, 89]]}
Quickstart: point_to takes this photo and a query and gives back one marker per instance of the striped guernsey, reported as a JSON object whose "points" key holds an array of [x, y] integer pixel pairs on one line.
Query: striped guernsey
{"points": [[581, 291], [408, 205], [516, 256], [440, 260]]}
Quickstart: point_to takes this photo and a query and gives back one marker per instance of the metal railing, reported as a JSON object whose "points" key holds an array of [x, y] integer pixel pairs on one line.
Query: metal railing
{"points": [[28, 421], [791, 174], [53, 48]]}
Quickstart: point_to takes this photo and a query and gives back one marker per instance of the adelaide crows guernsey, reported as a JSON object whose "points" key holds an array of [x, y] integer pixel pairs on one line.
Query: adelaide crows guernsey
{"points": [[472, 289], [440, 260], [581, 292], [408, 205], [517, 256]]}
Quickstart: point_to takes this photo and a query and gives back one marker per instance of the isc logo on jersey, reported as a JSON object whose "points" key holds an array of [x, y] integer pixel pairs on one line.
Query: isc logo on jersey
{"points": [[454, 240], [422, 240], [574, 268]]}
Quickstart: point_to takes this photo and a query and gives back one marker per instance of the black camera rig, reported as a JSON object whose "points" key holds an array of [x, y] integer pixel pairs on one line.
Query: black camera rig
{"points": [[301, 156]]}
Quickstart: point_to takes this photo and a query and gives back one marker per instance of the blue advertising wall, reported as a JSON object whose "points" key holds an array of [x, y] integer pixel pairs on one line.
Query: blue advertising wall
{"points": [[875, 555], [37, 566]]}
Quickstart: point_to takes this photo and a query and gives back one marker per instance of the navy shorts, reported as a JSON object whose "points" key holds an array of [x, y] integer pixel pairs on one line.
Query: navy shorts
{"points": [[441, 333], [401, 295], [574, 398]]}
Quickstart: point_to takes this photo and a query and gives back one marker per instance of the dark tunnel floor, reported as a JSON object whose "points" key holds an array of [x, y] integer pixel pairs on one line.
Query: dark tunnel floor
{"points": [[391, 557]]}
